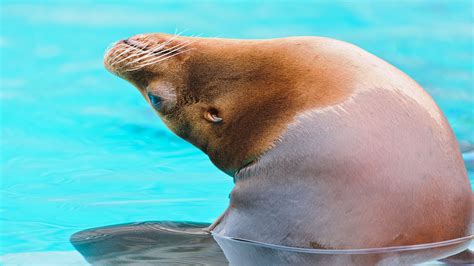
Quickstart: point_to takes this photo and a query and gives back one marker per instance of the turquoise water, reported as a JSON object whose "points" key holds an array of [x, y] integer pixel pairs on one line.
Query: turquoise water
{"points": [[80, 148]]}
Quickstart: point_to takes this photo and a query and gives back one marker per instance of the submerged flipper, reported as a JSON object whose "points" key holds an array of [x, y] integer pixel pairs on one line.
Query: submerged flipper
{"points": [[149, 243]]}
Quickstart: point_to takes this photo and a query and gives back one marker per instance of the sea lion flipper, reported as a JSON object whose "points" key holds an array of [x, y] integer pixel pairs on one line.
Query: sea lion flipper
{"points": [[149, 242]]}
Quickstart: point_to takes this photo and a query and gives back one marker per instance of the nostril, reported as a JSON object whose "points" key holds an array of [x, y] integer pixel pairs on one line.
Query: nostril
{"points": [[131, 41], [140, 41]]}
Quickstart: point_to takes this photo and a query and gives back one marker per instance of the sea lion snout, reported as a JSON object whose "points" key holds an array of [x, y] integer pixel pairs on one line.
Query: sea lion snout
{"points": [[143, 51]]}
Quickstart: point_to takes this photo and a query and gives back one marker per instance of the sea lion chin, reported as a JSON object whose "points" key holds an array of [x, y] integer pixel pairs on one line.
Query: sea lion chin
{"points": [[329, 146]]}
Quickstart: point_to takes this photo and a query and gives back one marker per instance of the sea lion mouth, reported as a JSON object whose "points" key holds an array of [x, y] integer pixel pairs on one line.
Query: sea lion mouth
{"points": [[143, 50]]}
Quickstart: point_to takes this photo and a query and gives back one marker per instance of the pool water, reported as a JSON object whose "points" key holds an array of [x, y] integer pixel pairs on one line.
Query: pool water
{"points": [[80, 148]]}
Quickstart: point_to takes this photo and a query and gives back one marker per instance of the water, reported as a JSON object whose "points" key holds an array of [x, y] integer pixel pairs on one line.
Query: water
{"points": [[80, 148]]}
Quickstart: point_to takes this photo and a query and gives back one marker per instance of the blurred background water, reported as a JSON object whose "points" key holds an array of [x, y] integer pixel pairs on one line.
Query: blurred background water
{"points": [[80, 148]]}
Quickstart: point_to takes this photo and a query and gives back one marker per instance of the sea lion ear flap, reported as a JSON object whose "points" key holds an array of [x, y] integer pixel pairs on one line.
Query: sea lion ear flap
{"points": [[212, 116]]}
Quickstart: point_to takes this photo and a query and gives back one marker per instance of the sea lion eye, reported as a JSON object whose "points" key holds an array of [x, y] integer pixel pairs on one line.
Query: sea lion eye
{"points": [[211, 116], [155, 100]]}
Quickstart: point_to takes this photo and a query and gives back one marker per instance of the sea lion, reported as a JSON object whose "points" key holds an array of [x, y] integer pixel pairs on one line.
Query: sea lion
{"points": [[329, 146]]}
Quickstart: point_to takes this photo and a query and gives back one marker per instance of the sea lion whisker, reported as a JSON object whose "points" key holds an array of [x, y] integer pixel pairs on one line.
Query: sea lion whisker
{"points": [[177, 47], [111, 55], [162, 44], [179, 33], [167, 42], [170, 40], [162, 59], [180, 52], [170, 49], [158, 58], [143, 56], [119, 54], [125, 49], [147, 62], [119, 47], [147, 56], [146, 53], [151, 52], [135, 53]]}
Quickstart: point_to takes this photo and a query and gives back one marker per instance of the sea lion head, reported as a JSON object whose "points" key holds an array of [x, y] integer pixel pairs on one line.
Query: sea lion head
{"points": [[230, 98]]}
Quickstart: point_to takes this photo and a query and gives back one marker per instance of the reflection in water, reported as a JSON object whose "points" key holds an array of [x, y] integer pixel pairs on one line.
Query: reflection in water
{"points": [[465, 258], [185, 243], [149, 243], [244, 252]]}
